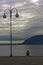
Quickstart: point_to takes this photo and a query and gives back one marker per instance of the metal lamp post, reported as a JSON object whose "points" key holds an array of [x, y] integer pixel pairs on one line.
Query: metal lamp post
{"points": [[4, 16]]}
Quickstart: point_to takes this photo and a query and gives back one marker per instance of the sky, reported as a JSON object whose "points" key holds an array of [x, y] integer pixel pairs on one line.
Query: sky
{"points": [[30, 21]]}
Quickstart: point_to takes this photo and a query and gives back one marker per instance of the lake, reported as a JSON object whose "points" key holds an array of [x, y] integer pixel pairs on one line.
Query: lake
{"points": [[20, 50]]}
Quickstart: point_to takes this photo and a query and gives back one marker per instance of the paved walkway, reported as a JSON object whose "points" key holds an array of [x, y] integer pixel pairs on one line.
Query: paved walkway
{"points": [[24, 60]]}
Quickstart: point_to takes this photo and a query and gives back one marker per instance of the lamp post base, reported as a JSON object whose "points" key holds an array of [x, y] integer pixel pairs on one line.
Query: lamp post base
{"points": [[11, 55]]}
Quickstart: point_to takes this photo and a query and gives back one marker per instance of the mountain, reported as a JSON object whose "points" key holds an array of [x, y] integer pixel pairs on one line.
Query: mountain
{"points": [[34, 40], [7, 38], [4, 38]]}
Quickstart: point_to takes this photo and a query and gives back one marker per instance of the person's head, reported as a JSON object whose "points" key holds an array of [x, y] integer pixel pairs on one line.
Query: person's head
{"points": [[27, 53], [27, 50]]}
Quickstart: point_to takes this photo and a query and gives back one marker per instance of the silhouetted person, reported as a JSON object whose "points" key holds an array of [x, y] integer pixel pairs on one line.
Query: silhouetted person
{"points": [[27, 53]]}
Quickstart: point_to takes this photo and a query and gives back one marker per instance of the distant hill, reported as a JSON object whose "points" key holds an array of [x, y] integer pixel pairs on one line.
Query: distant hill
{"points": [[34, 40], [5, 38]]}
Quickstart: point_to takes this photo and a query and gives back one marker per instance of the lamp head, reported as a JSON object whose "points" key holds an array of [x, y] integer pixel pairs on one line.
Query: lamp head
{"points": [[4, 16], [16, 15]]}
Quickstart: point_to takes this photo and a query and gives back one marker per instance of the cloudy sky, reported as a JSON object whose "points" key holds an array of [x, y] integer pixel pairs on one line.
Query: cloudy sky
{"points": [[30, 21]]}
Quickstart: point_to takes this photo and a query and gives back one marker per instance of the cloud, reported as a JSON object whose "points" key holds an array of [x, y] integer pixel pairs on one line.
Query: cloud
{"points": [[19, 4], [30, 21]]}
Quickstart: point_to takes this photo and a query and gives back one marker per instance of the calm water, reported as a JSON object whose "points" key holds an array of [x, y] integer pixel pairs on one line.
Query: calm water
{"points": [[20, 50]]}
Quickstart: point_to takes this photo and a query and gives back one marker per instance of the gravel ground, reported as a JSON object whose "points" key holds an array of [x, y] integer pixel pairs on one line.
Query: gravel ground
{"points": [[21, 60]]}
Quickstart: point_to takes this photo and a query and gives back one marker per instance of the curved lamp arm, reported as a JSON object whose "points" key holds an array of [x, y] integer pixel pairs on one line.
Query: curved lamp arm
{"points": [[16, 15], [4, 15]]}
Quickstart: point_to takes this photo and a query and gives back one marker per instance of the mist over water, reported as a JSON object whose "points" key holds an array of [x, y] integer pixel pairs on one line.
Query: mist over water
{"points": [[13, 42]]}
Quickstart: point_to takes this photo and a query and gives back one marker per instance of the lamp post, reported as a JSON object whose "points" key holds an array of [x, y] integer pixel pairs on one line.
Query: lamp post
{"points": [[4, 16]]}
